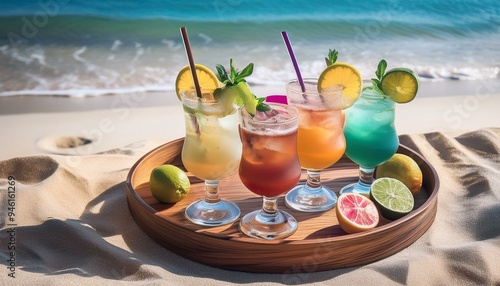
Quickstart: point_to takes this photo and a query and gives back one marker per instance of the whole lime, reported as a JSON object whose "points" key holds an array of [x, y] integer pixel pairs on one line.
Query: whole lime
{"points": [[403, 168], [168, 183]]}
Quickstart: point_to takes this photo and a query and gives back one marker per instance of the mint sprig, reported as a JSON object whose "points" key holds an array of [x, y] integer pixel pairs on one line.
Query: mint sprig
{"points": [[332, 57], [234, 78], [377, 82]]}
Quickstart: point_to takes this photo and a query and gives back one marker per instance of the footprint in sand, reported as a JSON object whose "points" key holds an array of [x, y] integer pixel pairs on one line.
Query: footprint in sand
{"points": [[28, 170], [66, 145]]}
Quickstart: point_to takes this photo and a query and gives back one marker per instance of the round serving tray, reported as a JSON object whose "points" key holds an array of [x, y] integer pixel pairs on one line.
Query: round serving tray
{"points": [[318, 244]]}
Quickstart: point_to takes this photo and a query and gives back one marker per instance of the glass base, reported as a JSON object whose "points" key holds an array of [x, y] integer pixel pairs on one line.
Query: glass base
{"points": [[358, 188], [212, 214], [303, 198], [258, 224]]}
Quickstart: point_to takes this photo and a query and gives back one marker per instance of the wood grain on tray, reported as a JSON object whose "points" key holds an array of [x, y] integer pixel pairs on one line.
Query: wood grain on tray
{"points": [[318, 244]]}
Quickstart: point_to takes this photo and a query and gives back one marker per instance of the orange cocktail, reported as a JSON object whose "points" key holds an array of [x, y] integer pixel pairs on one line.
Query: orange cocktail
{"points": [[320, 141]]}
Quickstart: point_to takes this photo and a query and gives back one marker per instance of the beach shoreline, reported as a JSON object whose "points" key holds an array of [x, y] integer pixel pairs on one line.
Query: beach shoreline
{"points": [[48, 125], [51, 103]]}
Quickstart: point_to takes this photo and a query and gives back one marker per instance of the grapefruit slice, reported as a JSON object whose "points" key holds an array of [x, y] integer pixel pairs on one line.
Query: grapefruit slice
{"points": [[356, 213]]}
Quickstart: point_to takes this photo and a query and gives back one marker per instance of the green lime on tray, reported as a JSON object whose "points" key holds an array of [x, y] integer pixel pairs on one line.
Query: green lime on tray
{"points": [[168, 183], [392, 197]]}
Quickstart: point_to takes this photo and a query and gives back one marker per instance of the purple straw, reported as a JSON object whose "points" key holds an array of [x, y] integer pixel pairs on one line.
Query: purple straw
{"points": [[294, 61]]}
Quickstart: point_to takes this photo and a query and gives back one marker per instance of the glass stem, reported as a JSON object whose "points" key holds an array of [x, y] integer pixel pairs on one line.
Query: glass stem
{"points": [[313, 180], [269, 206], [212, 191], [366, 175]]}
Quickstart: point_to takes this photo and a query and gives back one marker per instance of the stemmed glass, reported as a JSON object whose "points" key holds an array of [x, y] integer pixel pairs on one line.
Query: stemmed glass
{"points": [[211, 151], [370, 135], [321, 143], [269, 167]]}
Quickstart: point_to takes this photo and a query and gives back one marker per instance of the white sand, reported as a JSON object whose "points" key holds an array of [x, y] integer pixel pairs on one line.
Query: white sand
{"points": [[72, 224]]}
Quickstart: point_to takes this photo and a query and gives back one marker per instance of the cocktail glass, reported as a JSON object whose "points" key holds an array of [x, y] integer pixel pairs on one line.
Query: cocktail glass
{"points": [[321, 143], [370, 135], [269, 167], [211, 151]]}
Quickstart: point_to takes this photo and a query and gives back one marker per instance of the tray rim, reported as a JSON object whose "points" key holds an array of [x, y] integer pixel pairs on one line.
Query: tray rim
{"points": [[379, 230]]}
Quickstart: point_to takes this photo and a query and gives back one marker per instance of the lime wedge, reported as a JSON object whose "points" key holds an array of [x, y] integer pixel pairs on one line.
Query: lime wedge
{"points": [[344, 78], [241, 94], [400, 84], [392, 197]]}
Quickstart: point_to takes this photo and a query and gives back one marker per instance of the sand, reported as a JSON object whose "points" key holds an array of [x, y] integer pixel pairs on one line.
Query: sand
{"points": [[71, 224], [33, 125]]}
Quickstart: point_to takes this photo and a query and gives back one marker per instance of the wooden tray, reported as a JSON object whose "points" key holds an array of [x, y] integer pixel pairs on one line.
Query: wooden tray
{"points": [[319, 243]]}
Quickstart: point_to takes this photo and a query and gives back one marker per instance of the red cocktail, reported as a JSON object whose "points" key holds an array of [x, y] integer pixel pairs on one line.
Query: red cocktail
{"points": [[269, 167]]}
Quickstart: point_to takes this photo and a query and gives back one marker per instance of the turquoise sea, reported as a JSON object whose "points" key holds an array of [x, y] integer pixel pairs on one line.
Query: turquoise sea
{"points": [[81, 48]]}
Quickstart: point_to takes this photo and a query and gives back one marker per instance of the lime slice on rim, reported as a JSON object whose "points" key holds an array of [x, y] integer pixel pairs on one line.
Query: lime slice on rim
{"points": [[184, 80], [400, 84], [392, 197], [344, 78], [356, 213]]}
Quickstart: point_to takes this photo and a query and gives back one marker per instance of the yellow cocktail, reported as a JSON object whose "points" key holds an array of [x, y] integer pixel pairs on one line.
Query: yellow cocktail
{"points": [[212, 147], [211, 151]]}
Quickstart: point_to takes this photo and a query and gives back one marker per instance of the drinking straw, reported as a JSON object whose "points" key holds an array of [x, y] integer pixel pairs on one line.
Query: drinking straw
{"points": [[294, 60], [192, 66], [278, 98]]}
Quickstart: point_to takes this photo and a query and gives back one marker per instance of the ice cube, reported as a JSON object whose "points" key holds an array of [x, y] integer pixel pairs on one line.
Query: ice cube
{"points": [[267, 116]]}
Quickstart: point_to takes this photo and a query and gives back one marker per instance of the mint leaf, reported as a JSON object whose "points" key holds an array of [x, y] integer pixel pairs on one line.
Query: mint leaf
{"points": [[221, 73], [248, 70], [233, 72], [377, 86], [234, 77], [261, 106], [382, 65], [332, 57]]}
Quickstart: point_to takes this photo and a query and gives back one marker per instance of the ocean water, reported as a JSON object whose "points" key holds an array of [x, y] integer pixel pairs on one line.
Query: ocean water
{"points": [[91, 48]]}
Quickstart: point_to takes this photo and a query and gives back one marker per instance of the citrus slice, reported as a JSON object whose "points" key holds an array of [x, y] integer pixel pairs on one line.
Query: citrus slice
{"points": [[400, 84], [392, 197], [356, 213], [344, 78], [184, 80]]}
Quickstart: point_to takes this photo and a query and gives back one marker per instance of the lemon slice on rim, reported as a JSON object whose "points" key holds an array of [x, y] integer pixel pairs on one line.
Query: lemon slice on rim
{"points": [[184, 80], [400, 84], [344, 78]]}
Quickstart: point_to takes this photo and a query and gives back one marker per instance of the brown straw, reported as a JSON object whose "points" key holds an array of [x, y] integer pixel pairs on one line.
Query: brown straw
{"points": [[192, 66]]}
